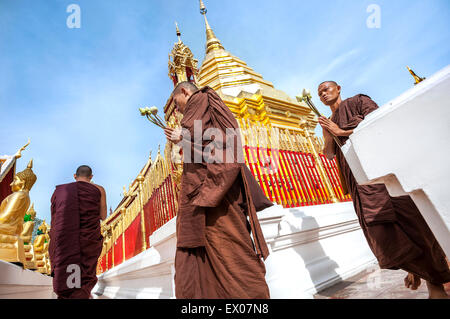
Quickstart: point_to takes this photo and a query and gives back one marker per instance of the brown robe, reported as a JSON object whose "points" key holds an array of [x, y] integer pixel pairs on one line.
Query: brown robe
{"points": [[394, 228], [216, 256], [75, 237]]}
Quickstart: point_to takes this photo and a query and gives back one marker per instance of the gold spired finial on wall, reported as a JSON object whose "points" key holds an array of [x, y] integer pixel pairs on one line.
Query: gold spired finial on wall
{"points": [[212, 43], [19, 152], [178, 32], [417, 78]]}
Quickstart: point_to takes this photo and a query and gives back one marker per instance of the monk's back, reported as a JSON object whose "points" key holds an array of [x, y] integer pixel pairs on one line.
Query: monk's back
{"points": [[75, 237], [89, 204]]}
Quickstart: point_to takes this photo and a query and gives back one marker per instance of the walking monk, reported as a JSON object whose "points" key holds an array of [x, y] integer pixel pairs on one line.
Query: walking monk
{"points": [[216, 256], [394, 228], [75, 237]]}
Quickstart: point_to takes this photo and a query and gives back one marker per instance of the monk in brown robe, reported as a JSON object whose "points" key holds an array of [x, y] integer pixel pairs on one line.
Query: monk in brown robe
{"points": [[216, 256], [394, 228], [75, 237]]}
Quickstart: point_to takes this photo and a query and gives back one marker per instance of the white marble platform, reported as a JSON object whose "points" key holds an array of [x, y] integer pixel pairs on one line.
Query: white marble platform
{"points": [[19, 283]]}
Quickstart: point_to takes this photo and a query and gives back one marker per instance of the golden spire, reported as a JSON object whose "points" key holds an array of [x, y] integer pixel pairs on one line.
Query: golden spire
{"points": [[178, 32], [417, 78], [212, 43], [182, 65]]}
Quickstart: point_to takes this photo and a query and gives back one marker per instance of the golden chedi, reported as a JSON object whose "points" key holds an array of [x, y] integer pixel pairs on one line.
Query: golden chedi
{"points": [[26, 236], [12, 212], [40, 247]]}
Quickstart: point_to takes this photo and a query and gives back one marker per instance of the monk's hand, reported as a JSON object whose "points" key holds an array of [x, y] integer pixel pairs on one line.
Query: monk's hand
{"points": [[330, 126], [173, 135]]}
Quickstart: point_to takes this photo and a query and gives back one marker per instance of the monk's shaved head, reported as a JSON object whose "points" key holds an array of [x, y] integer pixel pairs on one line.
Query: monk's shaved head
{"points": [[189, 86], [330, 82], [84, 171], [329, 92], [182, 93]]}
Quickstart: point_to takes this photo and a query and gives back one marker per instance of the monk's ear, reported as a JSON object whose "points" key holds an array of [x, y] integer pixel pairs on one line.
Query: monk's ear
{"points": [[184, 91], [338, 88], [75, 176]]}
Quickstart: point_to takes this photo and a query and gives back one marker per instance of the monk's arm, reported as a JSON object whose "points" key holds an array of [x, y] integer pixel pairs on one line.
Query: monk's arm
{"points": [[329, 149], [103, 209]]}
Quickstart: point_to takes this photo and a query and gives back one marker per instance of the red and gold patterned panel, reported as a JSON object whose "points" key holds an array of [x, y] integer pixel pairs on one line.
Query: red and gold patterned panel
{"points": [[110, 259], [118, 251], [133, 238]]}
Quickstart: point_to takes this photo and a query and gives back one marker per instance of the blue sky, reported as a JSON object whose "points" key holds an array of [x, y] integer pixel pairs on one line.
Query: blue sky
{"points": [[75, 92]]}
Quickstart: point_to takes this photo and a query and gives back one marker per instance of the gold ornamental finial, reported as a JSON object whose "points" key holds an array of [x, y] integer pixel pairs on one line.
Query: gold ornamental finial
{"points": [[212, 43], [19, 152], [178, 32], [417, 78]]}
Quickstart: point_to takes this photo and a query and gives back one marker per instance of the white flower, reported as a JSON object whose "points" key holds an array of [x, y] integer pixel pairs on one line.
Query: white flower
{"points": [[153, 110]]}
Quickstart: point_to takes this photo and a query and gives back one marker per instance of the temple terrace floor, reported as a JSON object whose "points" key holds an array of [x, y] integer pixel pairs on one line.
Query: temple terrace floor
{"points": [[375, 283]]}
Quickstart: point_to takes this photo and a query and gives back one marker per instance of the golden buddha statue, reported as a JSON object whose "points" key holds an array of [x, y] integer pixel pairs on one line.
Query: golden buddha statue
{"points": [[28, 225], [12, 212], [40, 247], [46, 246], [26, 235]]}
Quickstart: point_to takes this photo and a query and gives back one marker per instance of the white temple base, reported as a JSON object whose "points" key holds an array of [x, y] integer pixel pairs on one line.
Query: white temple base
{"points": [[19, 283], [311, 248]]}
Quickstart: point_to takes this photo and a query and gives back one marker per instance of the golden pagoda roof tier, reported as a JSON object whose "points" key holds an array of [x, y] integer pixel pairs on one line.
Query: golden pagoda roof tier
{"points": [[232, 78], [229, 75]]}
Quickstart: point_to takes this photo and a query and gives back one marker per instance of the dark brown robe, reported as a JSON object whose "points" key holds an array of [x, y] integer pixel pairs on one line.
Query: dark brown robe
{"points": [[216, 256], [394, 228], [75, 237]]}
